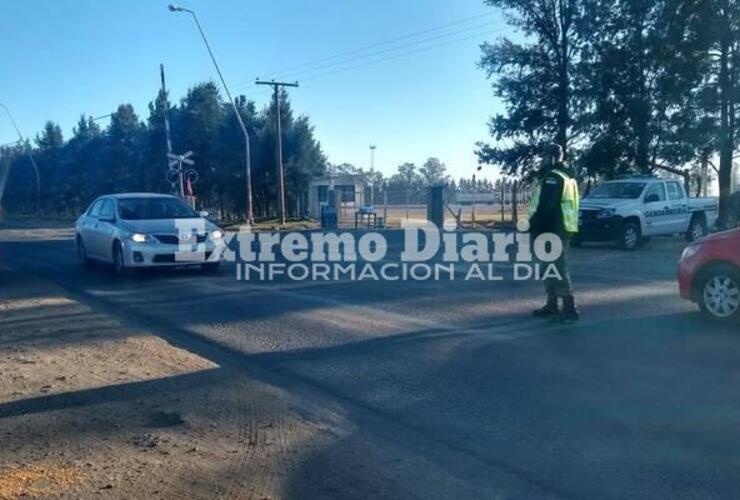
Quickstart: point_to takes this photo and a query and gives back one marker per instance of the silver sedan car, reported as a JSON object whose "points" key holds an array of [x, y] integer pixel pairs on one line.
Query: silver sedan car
{"points": [[140, 230]]}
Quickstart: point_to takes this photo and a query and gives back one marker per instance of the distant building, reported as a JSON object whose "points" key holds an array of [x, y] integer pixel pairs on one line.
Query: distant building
{"points": [[349, 191]]}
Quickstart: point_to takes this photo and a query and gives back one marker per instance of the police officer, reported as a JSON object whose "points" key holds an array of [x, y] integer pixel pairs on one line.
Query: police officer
{"points": [[554, 209]]}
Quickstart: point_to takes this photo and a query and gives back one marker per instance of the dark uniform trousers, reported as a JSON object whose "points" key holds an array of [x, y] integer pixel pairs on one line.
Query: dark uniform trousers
{"points": [[563, 286]]}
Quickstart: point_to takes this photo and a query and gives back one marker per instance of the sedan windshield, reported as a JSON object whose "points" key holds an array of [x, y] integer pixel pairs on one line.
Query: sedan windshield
{"points": [[154, 208], [618, 191]]}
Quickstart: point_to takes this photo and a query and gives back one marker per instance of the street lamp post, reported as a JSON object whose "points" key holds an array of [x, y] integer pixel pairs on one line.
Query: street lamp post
{"points": [[30, 157], [472, 201], [248, 163]]}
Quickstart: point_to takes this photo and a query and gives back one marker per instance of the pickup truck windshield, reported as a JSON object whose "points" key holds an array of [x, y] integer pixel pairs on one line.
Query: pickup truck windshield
{"points": [[154, 208], [618, 191]]}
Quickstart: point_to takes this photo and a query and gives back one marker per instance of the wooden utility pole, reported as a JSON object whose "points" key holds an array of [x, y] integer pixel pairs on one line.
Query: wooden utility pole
{"points": [[279, 153]]}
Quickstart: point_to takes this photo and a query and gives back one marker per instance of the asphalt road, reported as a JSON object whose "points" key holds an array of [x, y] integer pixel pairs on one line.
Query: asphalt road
{"points": [[449, 389]]}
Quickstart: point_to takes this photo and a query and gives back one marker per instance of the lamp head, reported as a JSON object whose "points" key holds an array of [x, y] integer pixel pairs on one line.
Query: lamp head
{"points": [[175, 8]]}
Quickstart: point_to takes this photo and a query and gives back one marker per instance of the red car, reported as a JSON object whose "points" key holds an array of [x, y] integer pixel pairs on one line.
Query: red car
{"points": [[709, 273]]}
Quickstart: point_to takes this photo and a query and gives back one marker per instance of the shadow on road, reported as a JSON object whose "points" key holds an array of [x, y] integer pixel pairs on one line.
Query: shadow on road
{"points": [[380, 391]]}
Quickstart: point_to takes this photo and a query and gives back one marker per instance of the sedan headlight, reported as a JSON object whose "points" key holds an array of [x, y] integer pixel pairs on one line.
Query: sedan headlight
{"points": [[690, 251], [139, 238], [606, 213], [217, 234]]}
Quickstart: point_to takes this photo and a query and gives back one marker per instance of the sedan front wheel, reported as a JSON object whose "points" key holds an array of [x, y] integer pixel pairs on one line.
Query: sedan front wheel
{"points": [[119, 263], [719, 294], [82, 253]]}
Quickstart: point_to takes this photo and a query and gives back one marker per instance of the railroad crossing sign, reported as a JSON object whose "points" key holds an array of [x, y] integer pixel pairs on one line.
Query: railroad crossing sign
{"points": [[180, 159], [177, 176]]}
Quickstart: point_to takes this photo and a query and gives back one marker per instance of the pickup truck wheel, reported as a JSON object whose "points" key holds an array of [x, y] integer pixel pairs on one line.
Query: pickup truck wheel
{"points": [[697, 229], [630, 236], [719, 293]]}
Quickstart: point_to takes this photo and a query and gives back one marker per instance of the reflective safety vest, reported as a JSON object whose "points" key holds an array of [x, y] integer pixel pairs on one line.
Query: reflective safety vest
{"points": [[569, 204]]}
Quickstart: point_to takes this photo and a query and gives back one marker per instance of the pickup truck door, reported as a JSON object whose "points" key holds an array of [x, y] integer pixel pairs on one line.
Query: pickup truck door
{"points": [[678, 218], [656, 210]]}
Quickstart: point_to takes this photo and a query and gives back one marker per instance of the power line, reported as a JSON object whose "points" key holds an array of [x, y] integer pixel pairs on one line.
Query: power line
{"points": [[396, 56], [463, 20], [478, 16], [391, 49], [389, 58], [393, 56]]}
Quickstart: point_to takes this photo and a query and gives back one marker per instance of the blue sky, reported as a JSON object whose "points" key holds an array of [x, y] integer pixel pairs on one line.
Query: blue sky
{"points": [[61, 58]]}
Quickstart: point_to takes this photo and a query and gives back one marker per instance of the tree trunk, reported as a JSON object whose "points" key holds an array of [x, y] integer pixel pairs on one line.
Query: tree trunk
{"points": [[642, 107], [564, 79], [727, 136], [643, 144]]}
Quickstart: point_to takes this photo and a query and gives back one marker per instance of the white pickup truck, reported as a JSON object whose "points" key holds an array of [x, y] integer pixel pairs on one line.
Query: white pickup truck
{"points": [[630, 211]]}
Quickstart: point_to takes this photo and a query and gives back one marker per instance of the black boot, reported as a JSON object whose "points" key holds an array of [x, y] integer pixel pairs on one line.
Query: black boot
{"points": [[550, 310], [570, 312]]}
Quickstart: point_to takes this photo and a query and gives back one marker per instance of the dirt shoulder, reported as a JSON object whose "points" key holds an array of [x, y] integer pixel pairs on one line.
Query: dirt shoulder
{"points": [[89, 407]]}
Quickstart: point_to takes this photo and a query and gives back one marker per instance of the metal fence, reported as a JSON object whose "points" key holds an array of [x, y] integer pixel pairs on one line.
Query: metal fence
{"points": [[390, 209]]}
